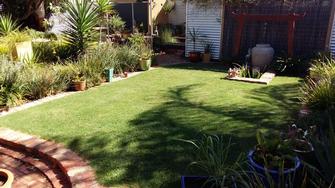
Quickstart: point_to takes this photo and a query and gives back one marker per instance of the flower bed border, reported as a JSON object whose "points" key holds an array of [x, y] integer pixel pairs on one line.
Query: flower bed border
{"points": [[61, 95], [266, 78]]}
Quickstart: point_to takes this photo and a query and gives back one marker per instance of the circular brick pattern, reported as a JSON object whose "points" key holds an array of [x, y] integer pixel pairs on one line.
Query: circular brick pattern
{"points": [[49, 162], [25, 175]]}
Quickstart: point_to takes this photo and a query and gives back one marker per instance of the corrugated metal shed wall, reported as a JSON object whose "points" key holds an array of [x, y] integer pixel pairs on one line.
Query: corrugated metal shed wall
{"points": [[332, 40], [208, 21]]}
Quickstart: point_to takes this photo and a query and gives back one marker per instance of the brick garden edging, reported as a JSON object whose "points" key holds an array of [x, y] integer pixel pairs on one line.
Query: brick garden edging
{"points": [[77, 172]]}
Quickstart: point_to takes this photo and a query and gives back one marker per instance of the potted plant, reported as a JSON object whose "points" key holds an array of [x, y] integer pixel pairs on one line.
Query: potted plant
{"points": [[297, 138], [145, 58], [273, 159], [20, 45], [194, 56], [211, 159], [207, 53], [79, 83], [79, 80]]}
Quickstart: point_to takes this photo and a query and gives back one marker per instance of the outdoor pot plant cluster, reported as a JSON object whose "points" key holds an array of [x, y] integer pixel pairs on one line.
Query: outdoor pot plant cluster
{"points": [[196, 38], [49, 63], [301, 156]]}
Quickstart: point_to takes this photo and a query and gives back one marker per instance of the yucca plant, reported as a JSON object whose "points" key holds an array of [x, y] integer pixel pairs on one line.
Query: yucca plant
{"points": [[82, 16], [8, 25]]}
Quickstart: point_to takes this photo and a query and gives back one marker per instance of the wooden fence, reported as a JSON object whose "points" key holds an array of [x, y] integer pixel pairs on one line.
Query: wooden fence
{"points": [[309, 36]]}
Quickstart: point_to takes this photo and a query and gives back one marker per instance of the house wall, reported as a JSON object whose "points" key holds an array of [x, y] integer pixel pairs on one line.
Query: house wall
{"points": [[178, 14], [332, 35], [208, 21], [309, 37]]}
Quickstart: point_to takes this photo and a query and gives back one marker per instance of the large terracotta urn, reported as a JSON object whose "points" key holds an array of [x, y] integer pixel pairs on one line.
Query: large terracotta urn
{"points": [[262, 55]]}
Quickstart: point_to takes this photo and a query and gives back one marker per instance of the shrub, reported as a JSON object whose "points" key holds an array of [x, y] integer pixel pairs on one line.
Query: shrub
{"points": [[107, 55], [137, 39], [11, 87], [320, 95], [322, 67], [319, 89], [8, 25], [167, 36], [82, 17], [212, 156], [41, 81], [52, 51], [116, 24], [11, 39], [126, 58], [91, 68]]}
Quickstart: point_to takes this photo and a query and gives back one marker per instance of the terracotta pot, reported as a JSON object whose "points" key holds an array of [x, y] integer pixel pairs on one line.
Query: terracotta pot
{"points": [[79, 85], [206, 58], [8, 178], [194, 57], [4, 108]]}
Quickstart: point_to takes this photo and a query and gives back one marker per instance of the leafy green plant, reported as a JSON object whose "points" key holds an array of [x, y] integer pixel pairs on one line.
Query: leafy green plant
{"points": [[11, 87], [324, 146], [117, 24], [212, 154], [273, 152], [91, 69], [107, 55], [168, 6], [8, 25], [137, 40], [245, 72], [322, 67], [82, 17], [208, 47], [104, 7], [166, 36], [319, 96], [193, 36], [39, 82]]}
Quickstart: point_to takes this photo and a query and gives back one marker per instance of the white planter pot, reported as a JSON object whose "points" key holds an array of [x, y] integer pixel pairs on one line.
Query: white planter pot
{"points": [[23, 50], [262, 55]]}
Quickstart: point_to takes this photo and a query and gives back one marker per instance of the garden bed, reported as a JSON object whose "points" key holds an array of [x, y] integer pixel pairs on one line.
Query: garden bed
{"points": [[266, 78]]}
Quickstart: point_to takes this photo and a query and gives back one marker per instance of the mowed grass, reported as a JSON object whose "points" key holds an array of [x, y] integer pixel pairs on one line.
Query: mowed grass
{"points": [[130, 131]]}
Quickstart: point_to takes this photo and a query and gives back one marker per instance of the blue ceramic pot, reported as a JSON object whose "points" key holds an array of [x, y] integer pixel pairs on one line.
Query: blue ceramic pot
{"points": [[275, 174]]}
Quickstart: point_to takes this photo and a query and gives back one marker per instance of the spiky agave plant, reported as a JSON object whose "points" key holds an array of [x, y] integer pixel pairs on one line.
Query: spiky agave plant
{"points": [[8, 25], [82, 16]]}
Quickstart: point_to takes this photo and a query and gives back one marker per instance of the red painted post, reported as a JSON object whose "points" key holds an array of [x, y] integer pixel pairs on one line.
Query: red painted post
{"points": [[238, 35]]}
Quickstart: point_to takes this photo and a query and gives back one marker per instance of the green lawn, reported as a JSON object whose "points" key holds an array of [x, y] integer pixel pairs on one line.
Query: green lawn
{"points": [[129, 130]]}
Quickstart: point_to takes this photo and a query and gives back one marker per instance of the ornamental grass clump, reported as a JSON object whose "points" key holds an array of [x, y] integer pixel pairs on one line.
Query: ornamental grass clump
{"points": [[11, 85], [319, 89]]}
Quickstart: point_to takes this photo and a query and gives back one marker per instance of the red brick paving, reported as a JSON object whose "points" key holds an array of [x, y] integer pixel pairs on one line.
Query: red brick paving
{"points": [[41, 163], [25, 175]]}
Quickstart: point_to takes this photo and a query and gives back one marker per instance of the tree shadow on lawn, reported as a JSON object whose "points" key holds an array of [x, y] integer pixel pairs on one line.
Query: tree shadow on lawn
{"points": [[150, 154]]}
